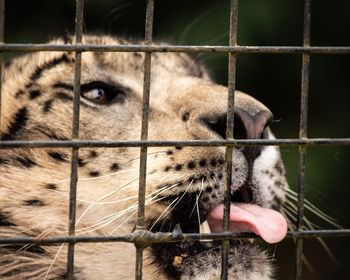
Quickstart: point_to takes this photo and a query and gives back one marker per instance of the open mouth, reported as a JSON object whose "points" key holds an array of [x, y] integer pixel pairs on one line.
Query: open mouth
{"points": [[194, 215]]}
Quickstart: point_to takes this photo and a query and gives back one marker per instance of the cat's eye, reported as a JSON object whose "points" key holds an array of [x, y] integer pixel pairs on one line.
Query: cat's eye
{"points": [[97, 95], [102, 93]]}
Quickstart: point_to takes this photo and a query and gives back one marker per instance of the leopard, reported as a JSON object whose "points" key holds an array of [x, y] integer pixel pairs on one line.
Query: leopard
{"points": [[185, 185]]}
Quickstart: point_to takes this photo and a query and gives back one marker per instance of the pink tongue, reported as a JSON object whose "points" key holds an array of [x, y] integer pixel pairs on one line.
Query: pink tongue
{"points": [[269, 224]]}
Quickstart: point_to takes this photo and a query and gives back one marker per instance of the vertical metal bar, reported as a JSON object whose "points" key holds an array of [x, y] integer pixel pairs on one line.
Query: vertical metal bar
{"points": [[75, 135], [303, 134], [144, 134], [229, 133], [2, 28]]}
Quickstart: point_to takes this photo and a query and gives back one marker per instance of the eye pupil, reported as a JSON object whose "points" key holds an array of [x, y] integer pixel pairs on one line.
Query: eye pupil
{"points": [[100, 93]]}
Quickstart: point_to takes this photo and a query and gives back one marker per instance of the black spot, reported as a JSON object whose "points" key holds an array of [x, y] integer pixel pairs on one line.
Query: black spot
{"points": [[29, 85], [33, 248], [4, 220], [278, 183], [214, 196], [137, 55], [191, 179], [278, 201], [8, 63], [114, 167], [221, 161], [25, 161], [213, 162], [220, 176], [48, 65], [57, 156], [63, 86], [66, 39], [191, 165], [216, 187], [185, 116], [81, 162], [93, 154], [94, 173], [19, 121], [178, 167], [4, 161], [209, 189], [34, 202], [34, 94], [169, 152], [51, 186], [47, 105], [205, 199], [166, 169], [19, 93], [203, 162], [273, 193], [63, 96], [178, 148], [279, 167], [52, 135]]}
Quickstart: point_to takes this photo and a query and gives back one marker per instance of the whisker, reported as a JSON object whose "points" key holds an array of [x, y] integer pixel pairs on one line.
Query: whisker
{"points": [[113, 11], [102, 198], [176, 200], [53, 261], [313, 209], [294, 209], [163, 213], [198, 216], [324, 245], [138, 157], [112, 217], [195, 21], [197, 197]]}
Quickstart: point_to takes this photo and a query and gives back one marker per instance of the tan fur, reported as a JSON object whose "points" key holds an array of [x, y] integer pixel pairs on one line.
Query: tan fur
{"points": [[179, 87]]}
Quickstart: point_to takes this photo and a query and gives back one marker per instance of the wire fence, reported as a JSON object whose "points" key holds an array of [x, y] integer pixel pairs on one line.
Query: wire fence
{"points": [[141, 237]]}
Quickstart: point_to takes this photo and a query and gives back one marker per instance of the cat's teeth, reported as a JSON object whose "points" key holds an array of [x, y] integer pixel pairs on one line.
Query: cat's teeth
{"points": [[204, 227]]}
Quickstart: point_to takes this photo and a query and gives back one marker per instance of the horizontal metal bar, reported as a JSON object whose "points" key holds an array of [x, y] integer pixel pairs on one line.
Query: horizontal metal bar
{"points": [[172, 48], [160, 237], [169, 143]]}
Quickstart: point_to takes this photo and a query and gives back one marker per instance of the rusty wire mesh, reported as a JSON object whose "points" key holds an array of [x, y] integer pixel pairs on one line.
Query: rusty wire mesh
{"points": [[141, 237]]}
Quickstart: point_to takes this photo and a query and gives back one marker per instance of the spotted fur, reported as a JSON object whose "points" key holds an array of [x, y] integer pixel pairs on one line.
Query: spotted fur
{"points": [[185, 104]]}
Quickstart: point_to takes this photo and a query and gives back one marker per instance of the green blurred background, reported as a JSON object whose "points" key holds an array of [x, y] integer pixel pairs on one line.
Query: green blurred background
{"points": [[273, 79]]}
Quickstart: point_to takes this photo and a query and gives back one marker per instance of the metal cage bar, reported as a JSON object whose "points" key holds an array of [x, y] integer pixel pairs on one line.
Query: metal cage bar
{"points": [[144, 135], [161, 237], [75, 135], [305, 74], [168, 143], [2, 27], [229, 134], [174, 48], [141, 237]]}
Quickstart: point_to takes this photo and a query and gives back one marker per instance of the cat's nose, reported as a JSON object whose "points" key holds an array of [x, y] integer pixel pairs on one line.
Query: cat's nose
{"points": [[247, 125]]}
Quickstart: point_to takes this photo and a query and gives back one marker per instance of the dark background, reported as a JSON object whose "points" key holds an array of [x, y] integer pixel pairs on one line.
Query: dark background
{"points": [[273, 79]]}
